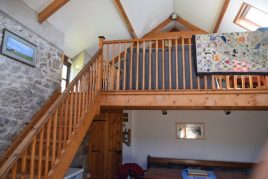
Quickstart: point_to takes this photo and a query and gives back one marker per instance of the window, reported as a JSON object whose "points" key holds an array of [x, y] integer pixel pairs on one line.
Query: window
{"points": [[65, 74], [251, 18]]}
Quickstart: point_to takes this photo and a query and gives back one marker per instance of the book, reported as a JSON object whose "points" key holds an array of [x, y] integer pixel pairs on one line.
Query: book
{"points": [[197, 172]]}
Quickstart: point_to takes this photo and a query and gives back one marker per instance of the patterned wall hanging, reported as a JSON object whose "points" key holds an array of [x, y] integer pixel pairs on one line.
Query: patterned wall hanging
{"points": [[232, 53]]}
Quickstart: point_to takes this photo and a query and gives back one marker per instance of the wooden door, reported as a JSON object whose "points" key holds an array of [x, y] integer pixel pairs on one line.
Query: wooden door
{"points": [[97, 149], [114, 143], [105, 144]]}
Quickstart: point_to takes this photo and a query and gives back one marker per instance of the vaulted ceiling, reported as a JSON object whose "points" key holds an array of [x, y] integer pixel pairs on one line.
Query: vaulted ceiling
{"points": [[82, 21]]}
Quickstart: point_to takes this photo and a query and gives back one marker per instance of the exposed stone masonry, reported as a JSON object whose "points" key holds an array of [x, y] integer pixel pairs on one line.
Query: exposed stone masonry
{"points": [[23, 89]]}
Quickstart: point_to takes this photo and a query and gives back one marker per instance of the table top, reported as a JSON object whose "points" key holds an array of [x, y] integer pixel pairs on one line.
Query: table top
{"points": [[166, 173]]}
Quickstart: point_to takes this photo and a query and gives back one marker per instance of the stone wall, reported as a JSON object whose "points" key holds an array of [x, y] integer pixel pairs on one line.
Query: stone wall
{"points": [[23, 89], [81, 157]]}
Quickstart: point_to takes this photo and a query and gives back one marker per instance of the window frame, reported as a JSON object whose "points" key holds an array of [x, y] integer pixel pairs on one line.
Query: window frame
{"points": [[241, 16], [68, 64]]}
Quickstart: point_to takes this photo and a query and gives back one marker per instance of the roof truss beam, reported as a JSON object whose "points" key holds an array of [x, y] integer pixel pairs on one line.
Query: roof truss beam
{"points": [[189, 25], [125, 18], [159, 27], [223, 10], [51, 9]]}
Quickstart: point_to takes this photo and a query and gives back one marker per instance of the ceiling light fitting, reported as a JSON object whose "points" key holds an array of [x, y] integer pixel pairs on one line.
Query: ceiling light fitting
{"points": [[174, 16]]}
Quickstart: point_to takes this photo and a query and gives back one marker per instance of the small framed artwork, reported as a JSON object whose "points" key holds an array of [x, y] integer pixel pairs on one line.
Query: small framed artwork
{"points": [[190, 130], [18, 48]]}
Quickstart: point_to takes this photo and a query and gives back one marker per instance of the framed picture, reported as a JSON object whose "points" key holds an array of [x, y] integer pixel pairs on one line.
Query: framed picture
{"points": [[190, 130], [18, 48]]}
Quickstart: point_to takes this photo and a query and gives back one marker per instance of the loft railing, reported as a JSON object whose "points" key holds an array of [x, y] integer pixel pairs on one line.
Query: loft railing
{"points": [[164, 64], [38, 152]]}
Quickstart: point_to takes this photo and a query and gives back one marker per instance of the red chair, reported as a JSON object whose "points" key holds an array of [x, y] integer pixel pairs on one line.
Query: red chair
{"points": [[130, 169]]}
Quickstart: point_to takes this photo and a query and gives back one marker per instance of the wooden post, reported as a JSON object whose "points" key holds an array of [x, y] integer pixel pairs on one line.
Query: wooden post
{"points": [[100, 71]]}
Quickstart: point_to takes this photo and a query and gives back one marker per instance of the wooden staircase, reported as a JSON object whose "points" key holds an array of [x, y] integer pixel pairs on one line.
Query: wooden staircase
{"points": [[47, 150]]}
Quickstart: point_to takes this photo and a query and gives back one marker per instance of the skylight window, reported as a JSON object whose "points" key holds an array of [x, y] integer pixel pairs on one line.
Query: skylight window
{"points": [[251, 18]]}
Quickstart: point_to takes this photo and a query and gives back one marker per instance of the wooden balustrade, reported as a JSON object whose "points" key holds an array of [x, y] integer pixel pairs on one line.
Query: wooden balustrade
{"points": [[164, 64], [39, 151]]}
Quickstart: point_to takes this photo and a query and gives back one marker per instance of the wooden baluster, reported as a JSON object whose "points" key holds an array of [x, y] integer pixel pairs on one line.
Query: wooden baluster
{"points": [[250, 81], [32, 158], [183, 63], [131, 66], [206, 82], [150, 65], [137, 65], [119, 69], [54, 139], [107, 67], [266, 82], [106, 64], [163, 64], [220, 81], [103, 81], [93, 89], [70, 123], [125, 67], [243, 82], [23, 165], [61, 108], [227, 81], [98, 79], [47, 148], [213, 81], [177, 62], [156, 65], [235, 81], [143, 65], [190, 64], [80, 98], [113, 70], [84, 94], [90, 87], [169, 62], [259, 81], [14, 170], [40, 155], [65, 121], [86, 89], [76, 117]]}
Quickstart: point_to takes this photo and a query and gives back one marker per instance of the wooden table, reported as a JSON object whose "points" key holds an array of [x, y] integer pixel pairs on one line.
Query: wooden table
{"points": [[166, 173], [163, 173]]}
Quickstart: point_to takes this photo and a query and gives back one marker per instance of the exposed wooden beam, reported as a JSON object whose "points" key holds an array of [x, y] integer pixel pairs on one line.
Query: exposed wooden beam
{"points": [[223, 10], [51, 9], [242, 100], [159, 27], [185, 34], [125, 18], [189, 25]]}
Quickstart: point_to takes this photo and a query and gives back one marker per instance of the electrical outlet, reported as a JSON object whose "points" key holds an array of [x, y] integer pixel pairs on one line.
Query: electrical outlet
{"points": [[88, 175]]}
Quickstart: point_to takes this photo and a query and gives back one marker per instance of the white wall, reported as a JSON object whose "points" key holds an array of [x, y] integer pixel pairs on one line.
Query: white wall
{"points": [[28, 17], [126, 150], [236, 137], [203, 14], [146, 15]]}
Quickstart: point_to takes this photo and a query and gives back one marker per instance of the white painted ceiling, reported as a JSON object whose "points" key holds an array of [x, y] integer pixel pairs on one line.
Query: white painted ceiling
{"points": [[82, 21]]}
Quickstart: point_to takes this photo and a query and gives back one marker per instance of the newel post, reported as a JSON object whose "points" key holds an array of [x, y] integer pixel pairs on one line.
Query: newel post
{"points": [[100, 61]]}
